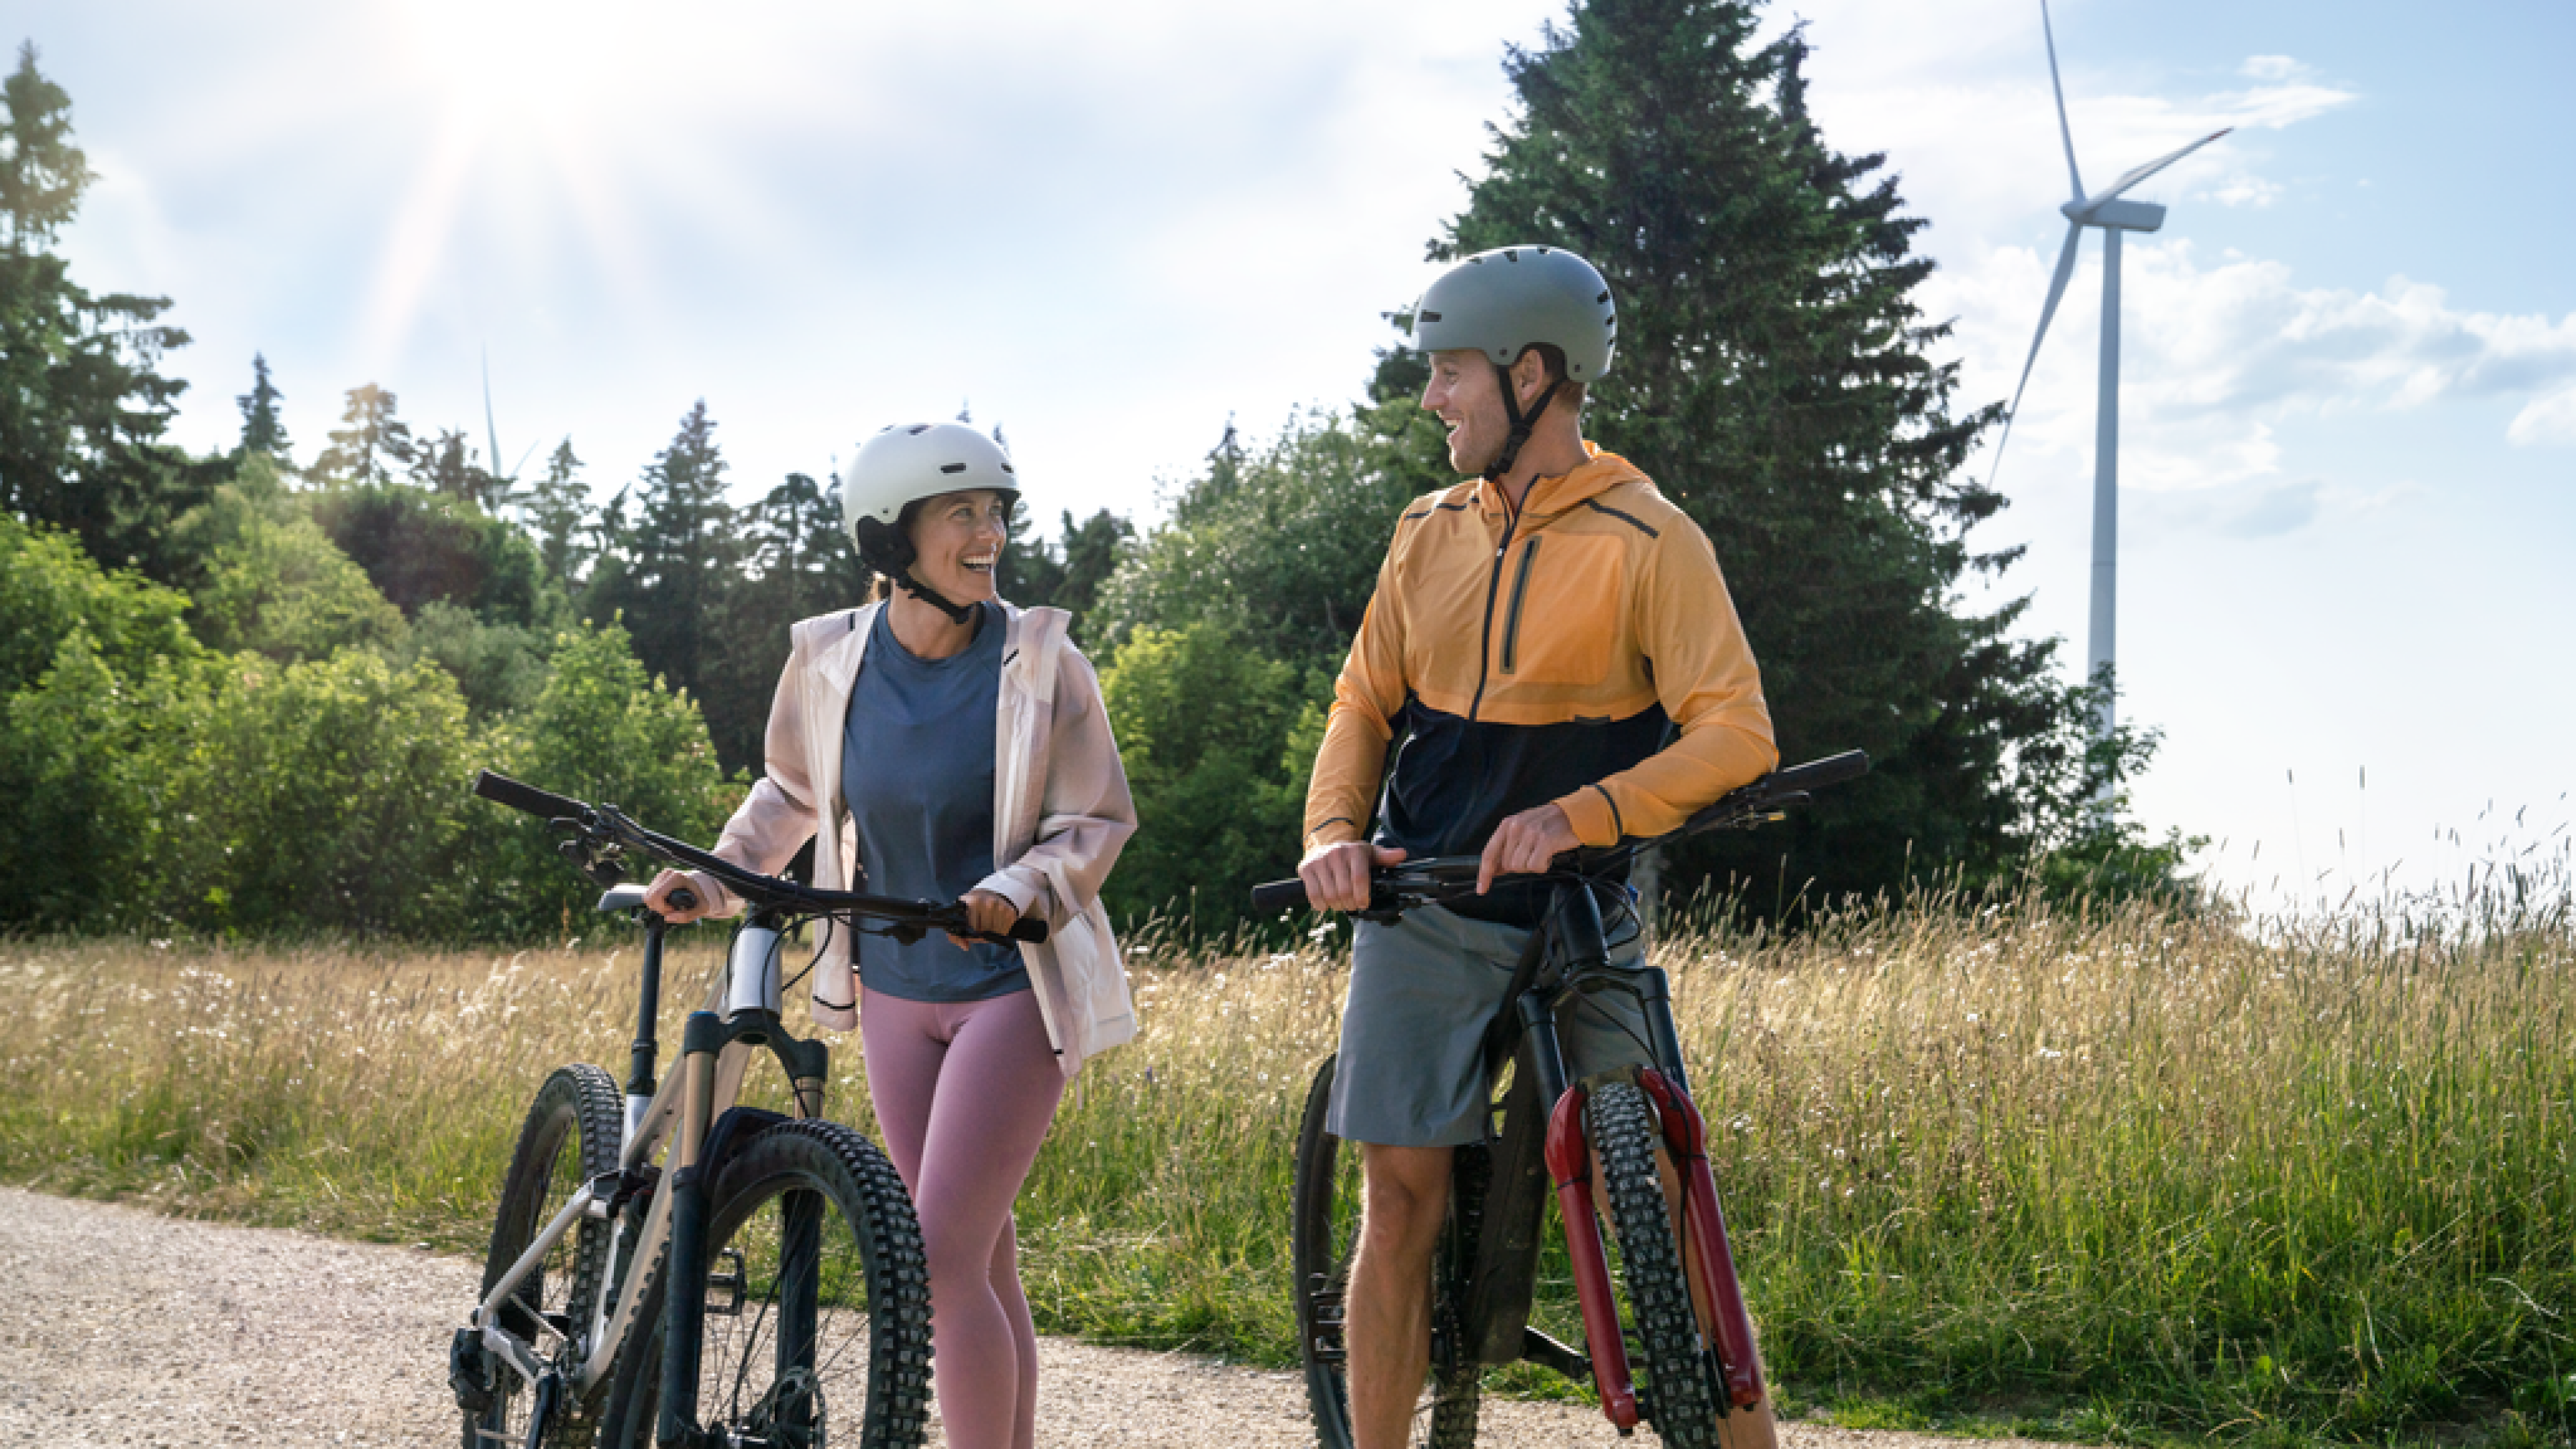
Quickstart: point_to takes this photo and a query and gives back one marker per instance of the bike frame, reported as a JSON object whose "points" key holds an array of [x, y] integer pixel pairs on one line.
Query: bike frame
{"points": [[742, 1014]]}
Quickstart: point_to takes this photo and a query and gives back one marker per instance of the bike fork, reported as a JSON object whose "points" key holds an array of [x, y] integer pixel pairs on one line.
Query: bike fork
{"points": [[1686, 1139], [1569, 1163], [685, 1322]]}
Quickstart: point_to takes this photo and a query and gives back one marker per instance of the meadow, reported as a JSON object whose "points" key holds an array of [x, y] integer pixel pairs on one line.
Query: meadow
{"points": [[2117, 1175]]}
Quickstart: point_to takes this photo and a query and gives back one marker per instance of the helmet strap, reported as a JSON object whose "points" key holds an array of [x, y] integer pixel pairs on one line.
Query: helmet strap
{"points": [[1521, 422], [957, 613]]}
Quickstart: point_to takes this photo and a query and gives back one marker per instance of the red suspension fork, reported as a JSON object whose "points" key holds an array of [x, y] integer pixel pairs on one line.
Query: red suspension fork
{"points": [[1686, 1138], [1569, 1162]]}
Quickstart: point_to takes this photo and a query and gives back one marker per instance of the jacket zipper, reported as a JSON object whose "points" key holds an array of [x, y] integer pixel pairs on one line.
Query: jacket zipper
{"points": [[1520, 590], [1493, 591]]}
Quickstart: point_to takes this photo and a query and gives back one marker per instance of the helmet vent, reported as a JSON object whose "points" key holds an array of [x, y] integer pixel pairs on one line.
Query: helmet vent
{"points": [[1604, 297], [1007, 468], [1430, 316], [917, 429], [952, 467]]}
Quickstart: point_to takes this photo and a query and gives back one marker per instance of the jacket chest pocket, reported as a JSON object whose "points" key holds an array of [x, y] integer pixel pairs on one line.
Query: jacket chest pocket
{"points": [[1562, 597]]}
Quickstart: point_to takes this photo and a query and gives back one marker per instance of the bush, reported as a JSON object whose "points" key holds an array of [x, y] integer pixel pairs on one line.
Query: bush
{"points": [[605, 732], [1218, 741], [320, 795]]}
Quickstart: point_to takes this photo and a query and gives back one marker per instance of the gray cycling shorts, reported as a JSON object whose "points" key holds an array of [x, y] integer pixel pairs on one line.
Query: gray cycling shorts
{"points": [[1413, 1028]]}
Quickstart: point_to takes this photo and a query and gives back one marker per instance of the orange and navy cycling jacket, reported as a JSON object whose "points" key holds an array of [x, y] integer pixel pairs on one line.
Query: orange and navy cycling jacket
{"points": [[1544, 655]]}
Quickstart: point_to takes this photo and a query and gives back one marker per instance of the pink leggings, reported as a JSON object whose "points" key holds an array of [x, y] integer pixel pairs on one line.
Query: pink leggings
{"points": [[964, 1092]]}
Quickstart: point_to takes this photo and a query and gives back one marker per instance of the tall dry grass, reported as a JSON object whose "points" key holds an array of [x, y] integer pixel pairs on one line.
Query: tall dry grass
{"points": [[2106, 1173]]}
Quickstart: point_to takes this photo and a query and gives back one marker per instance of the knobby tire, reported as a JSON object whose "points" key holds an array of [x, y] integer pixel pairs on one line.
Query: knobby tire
{"points": [[861, 1375], [1676, 1372], [571, 1136], [1325, 1235]]}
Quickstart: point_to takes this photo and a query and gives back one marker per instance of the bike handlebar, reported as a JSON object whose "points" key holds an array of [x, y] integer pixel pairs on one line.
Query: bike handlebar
{"points": [[1758, 803], [607, 831]]}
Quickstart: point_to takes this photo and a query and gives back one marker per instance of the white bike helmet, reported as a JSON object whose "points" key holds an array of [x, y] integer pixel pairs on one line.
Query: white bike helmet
{"points": [[901, 466]]}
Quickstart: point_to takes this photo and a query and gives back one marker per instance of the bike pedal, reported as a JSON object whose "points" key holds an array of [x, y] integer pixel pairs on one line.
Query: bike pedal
{"points": [[727, 1280]]}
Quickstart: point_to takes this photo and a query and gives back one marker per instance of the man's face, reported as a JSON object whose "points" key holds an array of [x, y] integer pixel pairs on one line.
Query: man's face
{"points": [[1465, 393]]}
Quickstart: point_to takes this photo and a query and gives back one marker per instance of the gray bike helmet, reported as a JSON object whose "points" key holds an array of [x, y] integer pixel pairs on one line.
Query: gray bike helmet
{"points": [[1502, 301], [902, 465]]}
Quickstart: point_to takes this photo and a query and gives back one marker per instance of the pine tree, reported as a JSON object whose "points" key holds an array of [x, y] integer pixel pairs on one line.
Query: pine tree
{"points": [[1774, 377], [263, 431], [678, 560], [80, 434], [370, 443], [554, 508], [450, 466]]}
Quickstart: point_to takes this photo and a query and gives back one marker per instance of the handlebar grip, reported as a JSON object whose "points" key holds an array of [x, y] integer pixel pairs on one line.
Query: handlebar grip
{"points": [[682, 899], [545, 805], [1278, 895], [1030, 930], [1816, 774]]}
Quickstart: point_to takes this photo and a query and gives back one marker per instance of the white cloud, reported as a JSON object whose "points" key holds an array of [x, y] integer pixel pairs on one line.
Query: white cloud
{"points": [[2215, 358], [2271, 68], [2547, 419], [2243, 189]]}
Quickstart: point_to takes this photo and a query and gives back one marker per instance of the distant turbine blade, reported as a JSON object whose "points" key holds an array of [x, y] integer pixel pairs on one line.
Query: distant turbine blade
{"points": [[2150, 169], [2047, 310], [491, 434], [2063, 133]]}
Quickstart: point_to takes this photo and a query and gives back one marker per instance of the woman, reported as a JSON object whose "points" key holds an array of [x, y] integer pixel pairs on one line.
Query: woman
{"points": [[958, 750]]}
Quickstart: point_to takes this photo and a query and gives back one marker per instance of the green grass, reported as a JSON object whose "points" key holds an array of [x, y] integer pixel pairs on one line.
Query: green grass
{"points": [[2123, 1177]]}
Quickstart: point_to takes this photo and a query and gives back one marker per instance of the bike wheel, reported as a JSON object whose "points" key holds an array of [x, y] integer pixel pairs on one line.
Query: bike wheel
{"points": [[817, 1299], [1677, 1384], [1326, 1234], [571, 1136]]}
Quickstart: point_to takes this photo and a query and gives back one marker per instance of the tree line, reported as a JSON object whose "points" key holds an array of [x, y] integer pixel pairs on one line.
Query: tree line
{"points": [[242, 691]]}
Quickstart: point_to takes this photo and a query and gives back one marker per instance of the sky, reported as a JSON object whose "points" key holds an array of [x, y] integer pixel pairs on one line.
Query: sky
{"points": [[2348, 402]]}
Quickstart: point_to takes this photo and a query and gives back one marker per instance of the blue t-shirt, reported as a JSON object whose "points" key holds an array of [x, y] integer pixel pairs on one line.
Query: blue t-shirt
{"points": [[917, 770]]}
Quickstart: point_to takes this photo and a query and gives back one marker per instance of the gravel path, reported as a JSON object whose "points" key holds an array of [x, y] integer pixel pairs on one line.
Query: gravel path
{"points": [[121, 1327]]}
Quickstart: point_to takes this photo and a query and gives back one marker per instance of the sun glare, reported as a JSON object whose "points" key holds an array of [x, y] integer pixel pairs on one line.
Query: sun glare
{"points": [[533, 105], [536, 71]]}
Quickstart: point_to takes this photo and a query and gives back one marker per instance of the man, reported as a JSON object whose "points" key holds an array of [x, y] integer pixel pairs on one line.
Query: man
{"points": [[1538, 633]]}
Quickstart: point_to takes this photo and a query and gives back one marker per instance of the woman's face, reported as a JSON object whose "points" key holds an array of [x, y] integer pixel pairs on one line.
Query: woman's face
{"points": [[957, 542]]}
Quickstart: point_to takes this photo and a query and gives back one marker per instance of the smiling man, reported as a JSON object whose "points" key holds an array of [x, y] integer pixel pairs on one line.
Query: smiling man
{"points": [[1539, 633]]}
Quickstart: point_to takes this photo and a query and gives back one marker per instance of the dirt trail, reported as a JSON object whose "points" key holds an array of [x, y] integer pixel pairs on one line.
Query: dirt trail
{"points": [[121, 1327]]}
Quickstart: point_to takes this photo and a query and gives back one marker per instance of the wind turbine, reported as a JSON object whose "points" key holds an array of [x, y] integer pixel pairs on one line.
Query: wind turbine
{"points": [[2105, 210]]}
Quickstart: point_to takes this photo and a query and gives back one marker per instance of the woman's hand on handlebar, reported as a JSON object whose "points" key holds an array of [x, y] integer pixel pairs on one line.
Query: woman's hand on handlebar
{"points": [[1337, 876], [1526, 844], [657, 898], [989, 914]]}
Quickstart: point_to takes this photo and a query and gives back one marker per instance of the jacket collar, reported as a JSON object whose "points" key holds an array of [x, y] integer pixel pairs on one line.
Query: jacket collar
{"points": [[1548, 497], [839, 664]]}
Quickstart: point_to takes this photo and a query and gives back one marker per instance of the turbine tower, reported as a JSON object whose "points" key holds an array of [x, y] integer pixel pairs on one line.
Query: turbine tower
{"points": [[2106, 211]]}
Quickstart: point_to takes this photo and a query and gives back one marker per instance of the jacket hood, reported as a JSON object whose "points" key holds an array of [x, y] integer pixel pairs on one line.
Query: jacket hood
{"points": [[1547, 497]]}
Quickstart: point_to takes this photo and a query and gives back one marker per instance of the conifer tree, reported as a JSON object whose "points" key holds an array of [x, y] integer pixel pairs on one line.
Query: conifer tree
{"points": [[80, 433], [370, 443], [554, 508], [677, 560], [263, 431], [1774, 376]]}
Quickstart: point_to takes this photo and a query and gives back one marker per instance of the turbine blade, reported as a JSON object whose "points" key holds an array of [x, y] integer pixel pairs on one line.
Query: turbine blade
{"points": [[2151, 168], [2047, 310], [2063, 133], [491, 434]]}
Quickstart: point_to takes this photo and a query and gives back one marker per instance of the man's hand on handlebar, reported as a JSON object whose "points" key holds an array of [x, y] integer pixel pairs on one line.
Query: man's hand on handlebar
{"points": [[1525, 844], [658, 900], [1337, 876], [989, 914]]}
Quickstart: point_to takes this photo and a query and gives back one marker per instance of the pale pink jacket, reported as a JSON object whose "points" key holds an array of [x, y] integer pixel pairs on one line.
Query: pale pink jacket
{"points": [[1061, 812]]}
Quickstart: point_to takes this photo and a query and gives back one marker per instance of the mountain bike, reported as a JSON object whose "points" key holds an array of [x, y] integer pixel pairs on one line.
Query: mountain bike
{"points": [[1667, 1339], [764, 1283]]}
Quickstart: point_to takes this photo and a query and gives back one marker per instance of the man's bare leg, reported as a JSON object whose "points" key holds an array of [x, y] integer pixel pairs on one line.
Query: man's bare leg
{"points": [[1387, 1324]]}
